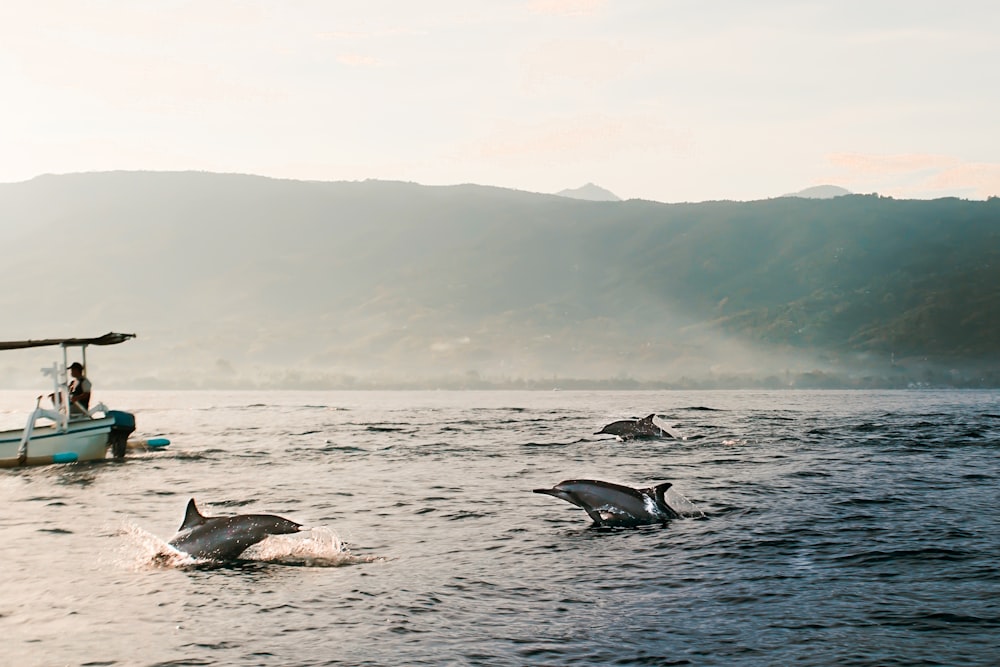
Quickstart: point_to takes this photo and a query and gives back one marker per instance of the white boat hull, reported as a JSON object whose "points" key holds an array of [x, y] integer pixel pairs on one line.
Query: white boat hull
{"points": [[84, 440]]}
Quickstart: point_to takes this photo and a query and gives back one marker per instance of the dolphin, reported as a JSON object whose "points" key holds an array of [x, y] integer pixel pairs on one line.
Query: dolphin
{"points": [[634, 429], [610, 504], [226, 537]]}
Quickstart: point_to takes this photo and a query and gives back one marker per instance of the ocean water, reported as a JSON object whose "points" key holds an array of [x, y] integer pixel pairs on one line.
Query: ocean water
{"points": [[840, 528]]}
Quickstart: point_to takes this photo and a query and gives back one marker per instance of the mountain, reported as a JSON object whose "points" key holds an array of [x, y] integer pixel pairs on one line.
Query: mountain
{"points": [[820, 192], [589, 192], [242, 281]]}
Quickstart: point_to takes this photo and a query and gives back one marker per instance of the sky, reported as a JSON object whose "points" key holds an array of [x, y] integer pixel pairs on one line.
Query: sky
{"points": [[671, 101]]}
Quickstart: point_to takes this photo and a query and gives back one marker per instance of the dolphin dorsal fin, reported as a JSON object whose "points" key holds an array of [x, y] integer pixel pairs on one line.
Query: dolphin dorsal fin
{"points": [[660, 490], [192, 517]]}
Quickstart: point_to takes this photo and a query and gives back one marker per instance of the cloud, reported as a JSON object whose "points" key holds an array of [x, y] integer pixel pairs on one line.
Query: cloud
{"points": [[580, 137], [449, 345], [982, 178], [897, 36], [355, 60], [591, 61], [889, 164], [348, 35], [566, 7], [920, 175]]}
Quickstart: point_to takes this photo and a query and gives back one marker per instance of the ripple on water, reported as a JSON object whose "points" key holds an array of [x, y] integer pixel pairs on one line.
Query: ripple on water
{"points": [[842, 528]]}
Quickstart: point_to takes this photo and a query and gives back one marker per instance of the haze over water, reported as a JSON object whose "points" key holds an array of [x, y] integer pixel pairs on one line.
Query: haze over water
{"points": [[849, 528]]}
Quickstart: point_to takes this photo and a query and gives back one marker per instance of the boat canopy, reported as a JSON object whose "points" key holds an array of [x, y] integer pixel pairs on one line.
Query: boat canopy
{"points": [[110, 338]]}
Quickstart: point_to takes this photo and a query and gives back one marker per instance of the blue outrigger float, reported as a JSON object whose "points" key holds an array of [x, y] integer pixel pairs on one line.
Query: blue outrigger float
{"points": [[65, 433]]}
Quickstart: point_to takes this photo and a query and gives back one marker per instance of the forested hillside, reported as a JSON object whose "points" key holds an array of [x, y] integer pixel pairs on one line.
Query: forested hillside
{"points": [[234, 280]]}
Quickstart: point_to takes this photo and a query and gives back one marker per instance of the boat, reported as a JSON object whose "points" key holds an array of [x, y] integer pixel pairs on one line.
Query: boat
{"points": [[65, 432]]}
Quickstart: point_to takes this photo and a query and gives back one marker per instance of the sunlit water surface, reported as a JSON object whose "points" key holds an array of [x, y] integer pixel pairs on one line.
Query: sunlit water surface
{"points": [[846, 528]]}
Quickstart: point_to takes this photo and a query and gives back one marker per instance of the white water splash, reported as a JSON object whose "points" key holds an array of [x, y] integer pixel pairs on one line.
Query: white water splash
{"points": [[681, 505], [141, 550], [317, 547], [666, 428]]}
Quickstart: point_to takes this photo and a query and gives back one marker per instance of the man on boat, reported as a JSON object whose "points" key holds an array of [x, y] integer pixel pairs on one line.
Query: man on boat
{"points": [[79, 388]]}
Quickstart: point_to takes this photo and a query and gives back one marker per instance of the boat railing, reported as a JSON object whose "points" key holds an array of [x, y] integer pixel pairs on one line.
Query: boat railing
{"points": [[100, 408], [59, 395], [57, 416]]}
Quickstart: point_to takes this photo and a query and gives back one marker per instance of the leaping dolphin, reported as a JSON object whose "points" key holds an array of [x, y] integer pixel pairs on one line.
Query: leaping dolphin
{"points": [[610, 504], [226, 537], [634, 429]]}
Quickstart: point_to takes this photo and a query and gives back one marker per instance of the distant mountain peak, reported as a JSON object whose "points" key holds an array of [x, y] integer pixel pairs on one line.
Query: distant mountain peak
{"points": [[820, 192], [590, 192]]}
